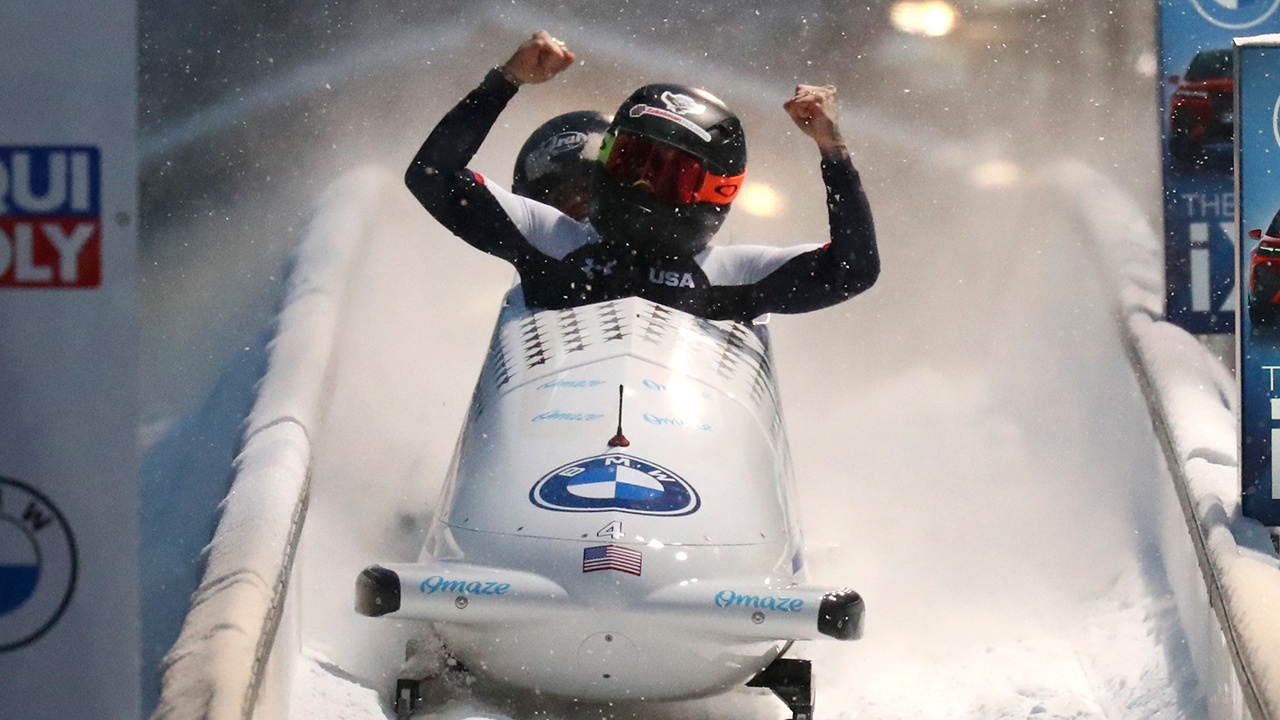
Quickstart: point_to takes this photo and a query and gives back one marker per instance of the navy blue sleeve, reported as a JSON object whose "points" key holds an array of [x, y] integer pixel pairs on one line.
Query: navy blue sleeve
{"points": [[835, 272], [438, 176]]}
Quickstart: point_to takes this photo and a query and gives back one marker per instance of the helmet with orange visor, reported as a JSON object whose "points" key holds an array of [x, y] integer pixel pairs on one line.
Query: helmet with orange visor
{"points": [[671, 164]]}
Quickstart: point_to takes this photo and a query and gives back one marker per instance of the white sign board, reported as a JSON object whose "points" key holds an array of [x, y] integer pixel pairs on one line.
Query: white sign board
{"points": [[68, 361]]}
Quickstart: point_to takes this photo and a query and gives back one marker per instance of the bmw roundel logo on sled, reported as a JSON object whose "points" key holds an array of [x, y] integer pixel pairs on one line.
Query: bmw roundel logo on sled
{"points": [[38, 564], [619, 483]]}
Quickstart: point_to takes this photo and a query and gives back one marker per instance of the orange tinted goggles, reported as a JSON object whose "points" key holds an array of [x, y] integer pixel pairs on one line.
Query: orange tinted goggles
{"points": [[668, 173]]}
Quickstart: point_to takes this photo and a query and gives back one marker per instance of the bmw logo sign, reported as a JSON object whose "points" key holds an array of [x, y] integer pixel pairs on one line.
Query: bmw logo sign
{"points": [[1235, 14], [618, 483], [37, 564]]}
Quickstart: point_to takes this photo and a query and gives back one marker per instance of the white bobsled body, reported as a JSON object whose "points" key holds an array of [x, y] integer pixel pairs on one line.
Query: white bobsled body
{"points": [[668, 568]]}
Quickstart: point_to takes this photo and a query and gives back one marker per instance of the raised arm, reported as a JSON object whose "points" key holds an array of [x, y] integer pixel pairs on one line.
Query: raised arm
{"points": [[853, 233], [796, 280], [438, 176], [457, 138]]}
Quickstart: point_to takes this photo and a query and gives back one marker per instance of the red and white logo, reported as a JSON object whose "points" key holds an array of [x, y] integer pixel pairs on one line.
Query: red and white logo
{"points": [[50, 217], [642, 110]]}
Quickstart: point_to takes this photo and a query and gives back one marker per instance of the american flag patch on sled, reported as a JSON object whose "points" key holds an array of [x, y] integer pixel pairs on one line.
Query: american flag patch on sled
{"points": [[611, 557]]}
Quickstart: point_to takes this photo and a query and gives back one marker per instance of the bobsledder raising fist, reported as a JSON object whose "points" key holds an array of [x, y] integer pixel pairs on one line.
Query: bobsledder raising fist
{"points": [[538, 59], [669, 167]]}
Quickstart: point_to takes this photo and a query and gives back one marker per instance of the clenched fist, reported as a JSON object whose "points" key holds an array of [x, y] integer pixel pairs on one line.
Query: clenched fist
{"points": [[813, 109], [538, 59]]}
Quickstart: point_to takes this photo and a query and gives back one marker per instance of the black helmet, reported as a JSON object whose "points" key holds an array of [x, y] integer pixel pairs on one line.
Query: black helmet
{"points": [[556, 163], [672, 162]]}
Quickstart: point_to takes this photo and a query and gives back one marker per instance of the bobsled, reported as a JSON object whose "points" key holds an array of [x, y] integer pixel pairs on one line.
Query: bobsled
{"points": [[618, 521]]}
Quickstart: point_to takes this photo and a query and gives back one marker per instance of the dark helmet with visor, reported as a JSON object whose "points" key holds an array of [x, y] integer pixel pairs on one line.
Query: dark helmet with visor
{"points": [[556, 164], [672, 162]]}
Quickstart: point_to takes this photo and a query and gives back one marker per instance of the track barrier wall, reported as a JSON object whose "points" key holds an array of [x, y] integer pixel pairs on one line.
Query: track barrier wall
{"points": [[1191, 397], [242, 625]]}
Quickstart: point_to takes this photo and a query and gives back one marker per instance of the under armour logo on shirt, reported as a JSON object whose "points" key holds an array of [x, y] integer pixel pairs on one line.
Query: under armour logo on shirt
{"points": [[591, 267]]}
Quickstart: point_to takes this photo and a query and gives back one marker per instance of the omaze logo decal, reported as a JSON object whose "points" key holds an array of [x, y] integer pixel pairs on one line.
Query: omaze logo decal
{"points": [[50, 217], [1235, 14], [37, 564], [620, 483]]}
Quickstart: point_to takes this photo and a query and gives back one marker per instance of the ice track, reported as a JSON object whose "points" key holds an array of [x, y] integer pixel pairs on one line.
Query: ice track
{"points": [[981, 494], [970, 445]]}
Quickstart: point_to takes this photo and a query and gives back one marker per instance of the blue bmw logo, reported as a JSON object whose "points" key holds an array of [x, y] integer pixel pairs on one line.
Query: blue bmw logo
{"points": [[619, 483], [38, 564]]}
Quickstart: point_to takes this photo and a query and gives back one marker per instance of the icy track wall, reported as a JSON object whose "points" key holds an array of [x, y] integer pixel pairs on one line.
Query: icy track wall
{"points": [[238, 630], [1231, 613]]}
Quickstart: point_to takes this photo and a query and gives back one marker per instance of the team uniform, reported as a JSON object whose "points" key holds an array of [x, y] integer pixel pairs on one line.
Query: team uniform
{"points": [[566, 263]]}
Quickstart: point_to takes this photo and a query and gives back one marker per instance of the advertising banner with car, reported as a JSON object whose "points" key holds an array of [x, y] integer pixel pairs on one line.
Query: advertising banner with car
{"points": [[1198, 121], [68, 361], [1257, 157]]}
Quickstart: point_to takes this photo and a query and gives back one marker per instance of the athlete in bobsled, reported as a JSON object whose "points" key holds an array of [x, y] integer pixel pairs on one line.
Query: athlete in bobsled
{"points": [[618, 522], [672, 162], [557, 163]]}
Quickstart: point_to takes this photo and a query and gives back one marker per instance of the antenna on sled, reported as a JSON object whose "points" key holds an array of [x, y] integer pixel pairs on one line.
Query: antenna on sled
{"points": [[619, 440]]}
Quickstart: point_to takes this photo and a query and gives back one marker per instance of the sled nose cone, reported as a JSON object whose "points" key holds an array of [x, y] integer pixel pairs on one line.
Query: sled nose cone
{"points": [[377, 591], [840, 615], [607, 660]]}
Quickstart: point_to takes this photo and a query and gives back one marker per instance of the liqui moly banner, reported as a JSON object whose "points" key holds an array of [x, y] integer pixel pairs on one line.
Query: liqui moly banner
{"points": [[1257, 60], [68, 361], [50, 216], [1198, 125]]}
